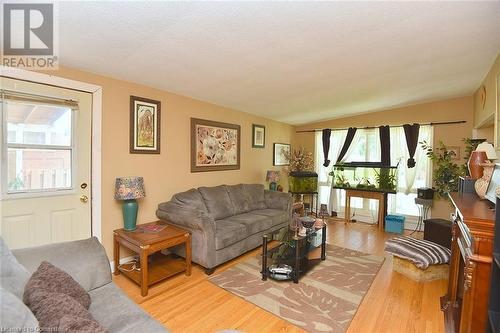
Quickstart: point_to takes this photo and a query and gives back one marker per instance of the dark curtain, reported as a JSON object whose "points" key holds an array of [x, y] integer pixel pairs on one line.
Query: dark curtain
{"points": [[385, 145], [411, 134], [348, 140], [326, 145]]}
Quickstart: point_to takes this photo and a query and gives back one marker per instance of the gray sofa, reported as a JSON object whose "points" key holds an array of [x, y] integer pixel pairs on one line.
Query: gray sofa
{"points": [[227, 220], [86, 261]]}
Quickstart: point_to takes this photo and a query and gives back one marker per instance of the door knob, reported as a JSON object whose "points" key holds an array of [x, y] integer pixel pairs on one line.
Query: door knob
{"points": [[84, 198]]}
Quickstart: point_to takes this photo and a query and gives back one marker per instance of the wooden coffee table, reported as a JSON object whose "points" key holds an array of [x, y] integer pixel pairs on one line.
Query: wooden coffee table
{"points": [[160, 266]]}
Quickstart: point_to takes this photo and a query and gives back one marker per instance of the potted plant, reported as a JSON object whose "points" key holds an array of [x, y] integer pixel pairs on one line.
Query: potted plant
{"points": [[302, 178], [446, 172]]}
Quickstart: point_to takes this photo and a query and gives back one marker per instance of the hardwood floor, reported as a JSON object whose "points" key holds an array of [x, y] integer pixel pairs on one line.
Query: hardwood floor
{"points": [[394, 303]]}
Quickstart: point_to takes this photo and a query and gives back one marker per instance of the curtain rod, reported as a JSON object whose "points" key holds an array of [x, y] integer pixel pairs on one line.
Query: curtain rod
{"points": [[373, 127]]}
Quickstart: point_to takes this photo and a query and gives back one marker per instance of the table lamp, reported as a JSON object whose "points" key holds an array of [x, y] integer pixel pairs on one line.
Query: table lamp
{"points": [[273, 177], [129, 189], [481, 185]]}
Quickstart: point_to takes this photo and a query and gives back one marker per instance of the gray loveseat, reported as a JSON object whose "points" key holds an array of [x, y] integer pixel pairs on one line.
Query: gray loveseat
{"points": [[86, 261], [227, 220]]}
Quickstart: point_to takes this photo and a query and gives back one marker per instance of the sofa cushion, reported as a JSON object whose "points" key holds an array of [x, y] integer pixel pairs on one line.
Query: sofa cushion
{"points": [[217, 200], [191, 198], [239, 197], [54, 280], [85, 260], [228, 233], [253, 223], [14, 314], [118, 314], [255, 194], [13, 275], [58, 312], [277, 216]]}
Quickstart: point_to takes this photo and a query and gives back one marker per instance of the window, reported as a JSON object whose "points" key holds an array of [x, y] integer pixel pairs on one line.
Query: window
{"points": [[38, 146], [366, 147]]}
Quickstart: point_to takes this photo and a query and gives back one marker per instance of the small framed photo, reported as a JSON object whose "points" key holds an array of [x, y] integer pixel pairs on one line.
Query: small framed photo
{"points": [[280, 153], [144, 125], [258, 136], [455, 150]]}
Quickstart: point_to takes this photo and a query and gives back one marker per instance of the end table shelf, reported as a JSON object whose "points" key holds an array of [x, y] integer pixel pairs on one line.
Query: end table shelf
{"points": [[160, 268], [154, 266]]}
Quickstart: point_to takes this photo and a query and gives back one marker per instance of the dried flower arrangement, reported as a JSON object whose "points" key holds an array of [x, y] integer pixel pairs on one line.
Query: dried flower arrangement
{"points": [[300, 160]]}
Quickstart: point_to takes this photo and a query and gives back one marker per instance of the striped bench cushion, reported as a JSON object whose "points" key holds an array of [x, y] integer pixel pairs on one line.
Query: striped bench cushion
{"points": [[420, 252]]}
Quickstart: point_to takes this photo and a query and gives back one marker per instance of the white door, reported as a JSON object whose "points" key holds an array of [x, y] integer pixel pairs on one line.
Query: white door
{"points": [[46, 163]]}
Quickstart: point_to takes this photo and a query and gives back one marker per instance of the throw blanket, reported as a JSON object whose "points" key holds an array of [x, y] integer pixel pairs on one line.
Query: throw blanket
{"points": [[422, 253]]}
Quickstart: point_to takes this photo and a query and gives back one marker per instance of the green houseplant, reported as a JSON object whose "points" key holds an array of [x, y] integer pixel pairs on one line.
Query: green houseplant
{"points": [[446, 172]]}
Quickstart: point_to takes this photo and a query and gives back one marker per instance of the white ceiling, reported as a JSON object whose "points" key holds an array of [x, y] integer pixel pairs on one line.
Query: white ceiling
{"points": [[296, 62]]}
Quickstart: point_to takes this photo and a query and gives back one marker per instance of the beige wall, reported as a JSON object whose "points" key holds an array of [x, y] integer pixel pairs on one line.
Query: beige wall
{"points": [[481, 114], [448, 110], [169, 172]]}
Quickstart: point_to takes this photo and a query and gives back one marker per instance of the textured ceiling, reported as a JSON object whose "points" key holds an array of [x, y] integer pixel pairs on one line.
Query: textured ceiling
{"points": [[296, 62]]}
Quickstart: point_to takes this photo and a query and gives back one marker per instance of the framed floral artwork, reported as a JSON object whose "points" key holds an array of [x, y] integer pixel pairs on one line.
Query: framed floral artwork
{"points": [[280, 152], [144, 125], [214, 146], [258, 136]]}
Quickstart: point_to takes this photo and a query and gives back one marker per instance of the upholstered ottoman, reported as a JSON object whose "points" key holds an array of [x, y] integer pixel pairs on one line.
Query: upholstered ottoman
{"points": [[417, 259]]}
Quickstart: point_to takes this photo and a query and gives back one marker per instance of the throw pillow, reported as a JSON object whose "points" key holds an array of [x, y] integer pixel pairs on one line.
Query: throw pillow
{"points": [[52, 279], [58, 312], [13, 275], [14, 315]]}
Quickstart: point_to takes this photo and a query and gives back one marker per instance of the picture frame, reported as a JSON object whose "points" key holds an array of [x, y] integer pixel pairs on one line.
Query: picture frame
{"points": [[215, 146], [145, 125], [279, 151], [258, 136], [455, 150]]}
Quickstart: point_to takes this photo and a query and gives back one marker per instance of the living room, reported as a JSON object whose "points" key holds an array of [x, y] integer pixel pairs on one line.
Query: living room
{"points": [[277, 83]]}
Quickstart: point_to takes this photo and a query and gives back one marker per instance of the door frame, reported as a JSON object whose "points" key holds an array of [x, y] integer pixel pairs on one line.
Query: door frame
{"points": [[96, 91]]}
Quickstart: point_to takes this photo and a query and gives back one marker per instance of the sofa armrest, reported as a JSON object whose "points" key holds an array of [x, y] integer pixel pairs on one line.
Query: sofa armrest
{"points": [[190, 218], [278, 200], [85, 260]]}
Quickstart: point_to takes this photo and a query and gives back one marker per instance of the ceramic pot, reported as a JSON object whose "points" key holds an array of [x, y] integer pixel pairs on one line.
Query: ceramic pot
{"points": [[474, 164], [481, 185]]}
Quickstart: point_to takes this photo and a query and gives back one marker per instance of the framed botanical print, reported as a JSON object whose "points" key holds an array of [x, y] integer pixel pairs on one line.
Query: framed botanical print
{"points": [[144, 125], [280, 153], [258, 136], [214, 145]]}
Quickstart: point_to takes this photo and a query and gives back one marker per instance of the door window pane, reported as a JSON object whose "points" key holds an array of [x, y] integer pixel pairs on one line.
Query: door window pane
{"points": [[38, 169], [38, 124]]}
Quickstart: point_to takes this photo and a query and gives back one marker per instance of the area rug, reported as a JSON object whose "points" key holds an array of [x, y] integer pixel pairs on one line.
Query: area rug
{"points": [[324, 300]]}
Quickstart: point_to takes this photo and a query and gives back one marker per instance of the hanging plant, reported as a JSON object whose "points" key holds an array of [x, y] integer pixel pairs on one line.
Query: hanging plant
{"points": [[446, 172]]}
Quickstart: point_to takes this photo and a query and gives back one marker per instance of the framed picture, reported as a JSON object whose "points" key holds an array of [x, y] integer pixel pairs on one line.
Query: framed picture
{"points": [[214, 146], [455, 150], [144, 125], [258, 136], [280, 150]]}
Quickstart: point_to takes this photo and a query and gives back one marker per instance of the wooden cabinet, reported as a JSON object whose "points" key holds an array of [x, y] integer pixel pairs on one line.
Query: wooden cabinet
{"points": [[466, 303]]}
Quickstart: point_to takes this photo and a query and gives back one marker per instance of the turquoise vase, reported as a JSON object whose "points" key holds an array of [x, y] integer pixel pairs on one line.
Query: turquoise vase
{"points": [[129, 214]]}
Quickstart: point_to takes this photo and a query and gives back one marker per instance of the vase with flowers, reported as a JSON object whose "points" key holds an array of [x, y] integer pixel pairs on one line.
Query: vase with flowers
{"points": [[301, 175]]}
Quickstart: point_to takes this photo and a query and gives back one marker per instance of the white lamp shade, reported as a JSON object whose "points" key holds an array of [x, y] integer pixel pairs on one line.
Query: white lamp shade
{"points": [[489, 149]]}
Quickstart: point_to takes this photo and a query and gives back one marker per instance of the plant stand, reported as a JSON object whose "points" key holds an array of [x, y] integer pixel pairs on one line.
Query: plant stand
{"points": [[382, 204]]}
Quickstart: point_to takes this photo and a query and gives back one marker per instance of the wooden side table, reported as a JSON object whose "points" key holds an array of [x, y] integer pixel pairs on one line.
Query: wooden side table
{"points": [[160, 266]]}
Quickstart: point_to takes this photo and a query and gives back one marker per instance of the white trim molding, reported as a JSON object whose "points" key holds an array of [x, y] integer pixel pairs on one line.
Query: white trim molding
{"points": [[96, 91]]}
